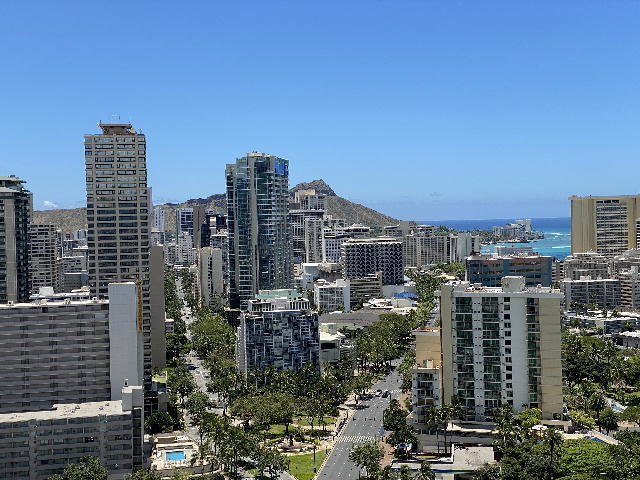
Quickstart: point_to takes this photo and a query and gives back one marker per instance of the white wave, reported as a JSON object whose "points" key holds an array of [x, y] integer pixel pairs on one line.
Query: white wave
{"points": [[563, 246], [558, 234]]}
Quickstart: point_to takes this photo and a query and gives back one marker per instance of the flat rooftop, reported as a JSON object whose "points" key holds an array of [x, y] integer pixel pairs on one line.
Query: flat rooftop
{"points": [[67, 410], [56, 303]]}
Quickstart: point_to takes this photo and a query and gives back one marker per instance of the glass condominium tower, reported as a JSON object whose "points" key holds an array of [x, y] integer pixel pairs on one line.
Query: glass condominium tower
{"points": [[258, 226]]}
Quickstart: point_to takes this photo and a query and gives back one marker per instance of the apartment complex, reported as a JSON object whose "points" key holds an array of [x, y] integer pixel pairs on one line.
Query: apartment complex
{"points": [[259, 236], [38, 445], [586, 264], [119, 215], [15, 215], [426, 378], [307, 210], [604, 292], [69, 351], [501, 345], [278, 330], [44, 264], [335, 233], [606, 224], [489, 269], [332, 296], [422, 249], [364, 256]]}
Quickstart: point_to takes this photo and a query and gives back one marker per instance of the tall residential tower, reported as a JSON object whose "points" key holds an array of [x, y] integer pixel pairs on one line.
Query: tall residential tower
{"points": [[15, 214], [118, 215], [258, 226]]}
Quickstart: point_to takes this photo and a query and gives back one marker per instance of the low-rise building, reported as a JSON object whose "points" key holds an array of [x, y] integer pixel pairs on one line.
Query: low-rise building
{"points": [[627, 339], [332, 343], [332, 296], [488, 269], [365, 288]]}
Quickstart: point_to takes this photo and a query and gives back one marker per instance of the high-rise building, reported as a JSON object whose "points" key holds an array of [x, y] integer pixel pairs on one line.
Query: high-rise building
{"points": [[305, 213], [258, 226], [15, 215], [606, 225], [184, 221], [501, 346], [118, 216], [278, 330], [44, 264], [210, 273], [158, 218], [364, 256], [335, 234]]}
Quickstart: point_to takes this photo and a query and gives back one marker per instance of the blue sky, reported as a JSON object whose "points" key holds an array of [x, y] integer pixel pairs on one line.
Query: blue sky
{"points": [[423, 110]]}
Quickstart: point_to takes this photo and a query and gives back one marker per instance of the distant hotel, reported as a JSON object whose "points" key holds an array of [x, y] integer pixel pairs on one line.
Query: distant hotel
{"points": [[606, 225]]}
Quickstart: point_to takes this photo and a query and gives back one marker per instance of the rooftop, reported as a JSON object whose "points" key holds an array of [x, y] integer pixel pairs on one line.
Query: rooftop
{"points": [[67, 410], [58, 303], [289, 293]]}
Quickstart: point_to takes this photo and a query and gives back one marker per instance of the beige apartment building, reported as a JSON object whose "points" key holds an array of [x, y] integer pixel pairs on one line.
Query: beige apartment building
{"points": [[606, 225], [501, 345]]}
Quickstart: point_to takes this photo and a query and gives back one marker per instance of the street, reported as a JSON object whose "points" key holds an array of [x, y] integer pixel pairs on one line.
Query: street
{"points": [[365, 424]]}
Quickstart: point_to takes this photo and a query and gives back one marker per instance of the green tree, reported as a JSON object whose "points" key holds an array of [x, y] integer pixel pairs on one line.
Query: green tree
{"points": [[631, 414], [487, 472], [87, 468], [597, 403], [181, 382], [425, 472], [367, 455], [608, 420], [197, 404], [158, 422], [145, 475]]}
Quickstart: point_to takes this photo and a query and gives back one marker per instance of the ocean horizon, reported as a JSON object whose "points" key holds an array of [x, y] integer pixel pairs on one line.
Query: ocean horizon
{"points": [[557, 233]]}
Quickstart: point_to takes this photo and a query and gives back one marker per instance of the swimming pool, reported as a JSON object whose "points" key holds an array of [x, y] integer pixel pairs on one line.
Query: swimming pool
{"points": [[173, 456]]}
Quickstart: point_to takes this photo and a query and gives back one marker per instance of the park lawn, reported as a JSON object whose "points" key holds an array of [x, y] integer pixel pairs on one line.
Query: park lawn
{"points": [[303, 422], [301, 466]]}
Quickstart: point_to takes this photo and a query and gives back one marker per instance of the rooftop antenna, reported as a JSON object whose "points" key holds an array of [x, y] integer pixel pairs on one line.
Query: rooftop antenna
{"points": [[115, 117]]}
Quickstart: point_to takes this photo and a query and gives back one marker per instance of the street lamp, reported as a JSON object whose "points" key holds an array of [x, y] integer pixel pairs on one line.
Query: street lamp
{"points": [[314, 459]]}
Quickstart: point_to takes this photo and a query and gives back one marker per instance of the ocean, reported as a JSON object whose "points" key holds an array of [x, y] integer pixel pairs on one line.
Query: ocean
{"points": [[556, 241]]}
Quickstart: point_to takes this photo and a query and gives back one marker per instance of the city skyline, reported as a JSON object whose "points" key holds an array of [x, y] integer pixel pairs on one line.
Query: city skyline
{"points": [[435, 88]]}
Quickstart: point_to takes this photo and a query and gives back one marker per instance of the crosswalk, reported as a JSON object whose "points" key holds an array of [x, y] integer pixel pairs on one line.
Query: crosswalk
{"points": [[356, 438]]}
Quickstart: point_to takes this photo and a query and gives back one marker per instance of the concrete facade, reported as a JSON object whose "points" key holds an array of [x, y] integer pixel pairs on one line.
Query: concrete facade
{"points": [[501, 345], [119, 215], [605, 224], [44, 265], [38, 445]]}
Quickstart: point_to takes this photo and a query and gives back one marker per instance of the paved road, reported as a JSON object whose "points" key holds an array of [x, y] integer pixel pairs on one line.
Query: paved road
{"points": [[365, 424]]}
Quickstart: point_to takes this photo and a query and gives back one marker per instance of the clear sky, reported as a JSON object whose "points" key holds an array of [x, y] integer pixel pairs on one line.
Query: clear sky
{"points": [[420, 109]]}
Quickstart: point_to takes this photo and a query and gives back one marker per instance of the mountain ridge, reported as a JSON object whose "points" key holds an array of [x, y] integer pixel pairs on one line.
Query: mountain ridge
{"points": [[71, 219]]}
